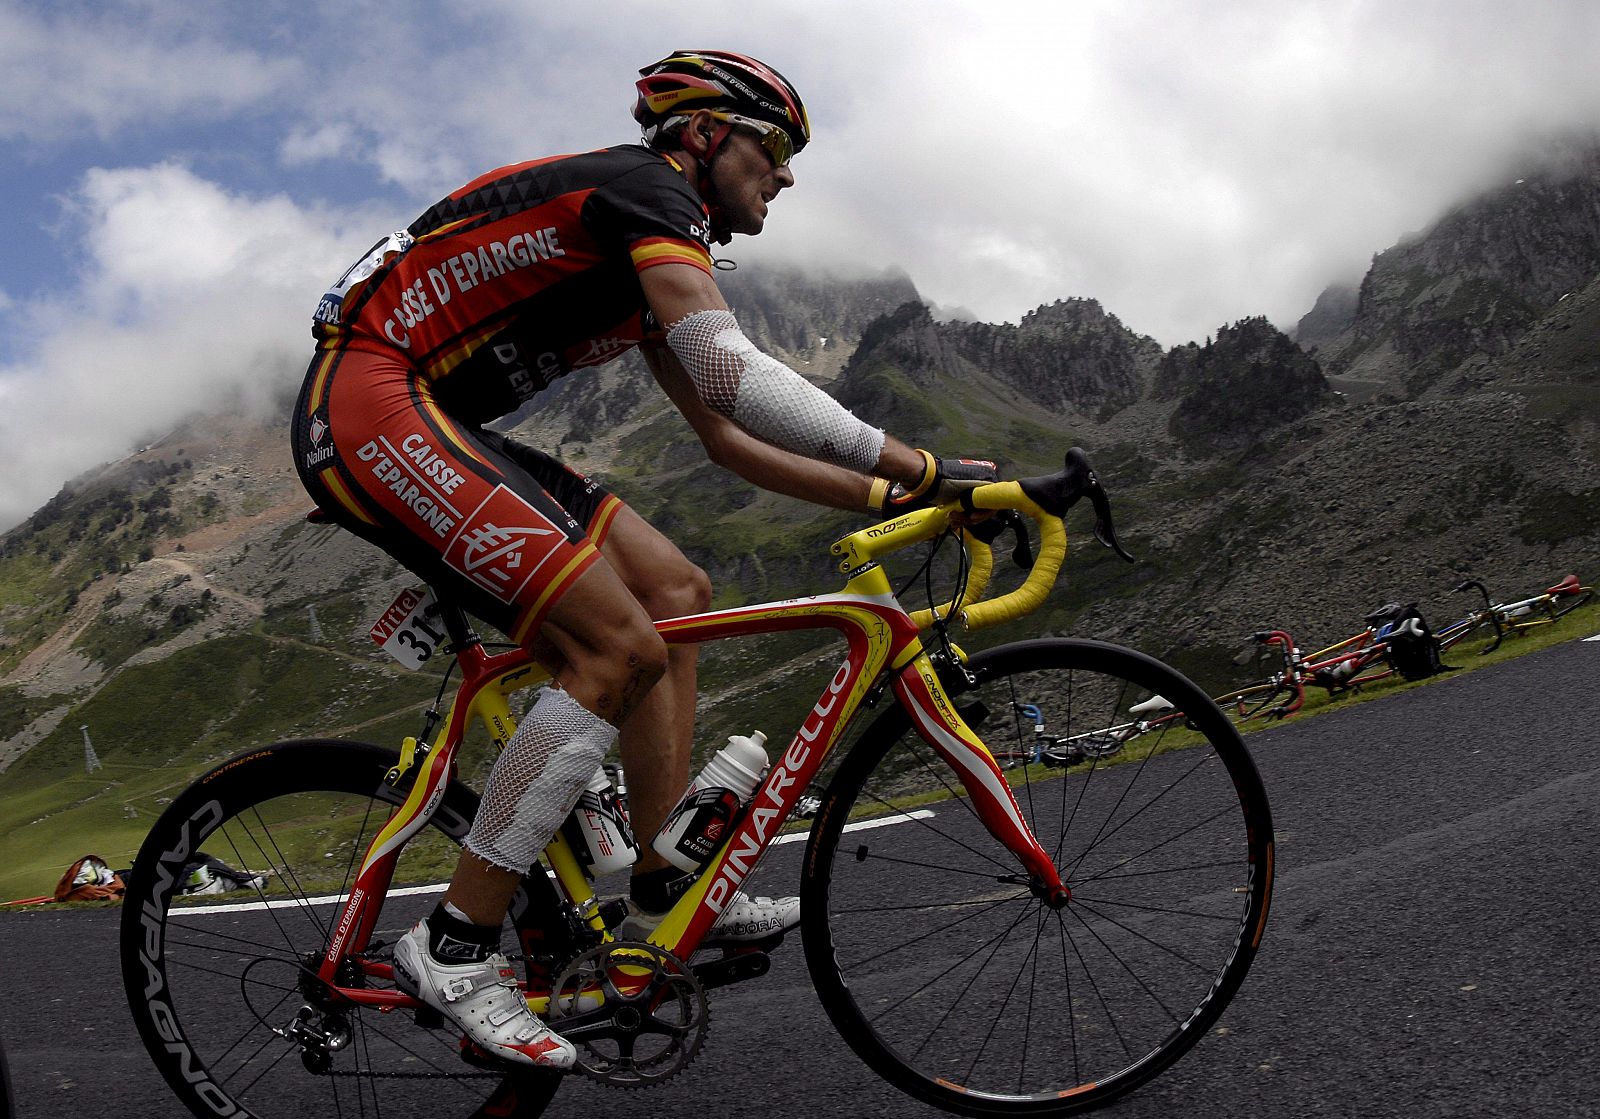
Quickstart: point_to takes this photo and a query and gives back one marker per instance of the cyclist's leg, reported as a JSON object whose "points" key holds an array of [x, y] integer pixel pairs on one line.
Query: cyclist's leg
{"points": [[447, 500], [658, 737]]}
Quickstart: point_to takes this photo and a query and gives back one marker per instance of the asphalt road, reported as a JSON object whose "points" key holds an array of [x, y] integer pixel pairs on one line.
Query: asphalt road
{"points": [[1433, 952]]}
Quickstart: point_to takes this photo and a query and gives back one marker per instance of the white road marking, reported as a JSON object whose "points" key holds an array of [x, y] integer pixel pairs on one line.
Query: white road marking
{"points": [[439, 887]]}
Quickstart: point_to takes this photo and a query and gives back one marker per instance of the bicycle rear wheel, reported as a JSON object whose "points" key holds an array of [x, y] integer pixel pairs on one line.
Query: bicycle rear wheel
{"points": [[945, 973], [215, 983]]}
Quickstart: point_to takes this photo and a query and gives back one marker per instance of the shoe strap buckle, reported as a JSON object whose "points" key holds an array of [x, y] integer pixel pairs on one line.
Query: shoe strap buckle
{"points": [[457, 988]]}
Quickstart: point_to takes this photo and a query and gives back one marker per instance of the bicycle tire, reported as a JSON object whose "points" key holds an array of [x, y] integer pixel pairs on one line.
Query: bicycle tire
{"points": [[925, 947], [209, 983]]}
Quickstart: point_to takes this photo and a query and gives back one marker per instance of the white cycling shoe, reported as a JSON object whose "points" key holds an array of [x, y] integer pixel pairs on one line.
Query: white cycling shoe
{"points": [[745, 919], [483, 999]]}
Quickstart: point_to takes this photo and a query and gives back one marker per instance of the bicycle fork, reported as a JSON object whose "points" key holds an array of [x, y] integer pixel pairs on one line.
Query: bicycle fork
{"points": [[943, 728]]}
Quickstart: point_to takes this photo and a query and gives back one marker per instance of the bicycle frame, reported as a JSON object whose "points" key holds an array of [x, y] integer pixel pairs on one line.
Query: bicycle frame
{"points": [[1517, 616], [884, 646], [1337, 668]]}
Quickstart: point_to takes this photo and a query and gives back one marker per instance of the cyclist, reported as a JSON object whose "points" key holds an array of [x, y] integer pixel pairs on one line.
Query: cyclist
{"points": [[521, 276]]}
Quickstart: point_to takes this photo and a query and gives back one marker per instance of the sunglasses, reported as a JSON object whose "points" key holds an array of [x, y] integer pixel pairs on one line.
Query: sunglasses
{"points": [[778, 143]]}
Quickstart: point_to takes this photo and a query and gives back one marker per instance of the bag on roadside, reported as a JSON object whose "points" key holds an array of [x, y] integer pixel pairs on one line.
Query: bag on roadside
{"points": [[1410, 646], [89, 879]]}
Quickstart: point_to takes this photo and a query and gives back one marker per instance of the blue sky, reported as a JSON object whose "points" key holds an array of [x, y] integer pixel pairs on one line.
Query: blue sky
{"points": [[181, 179]]}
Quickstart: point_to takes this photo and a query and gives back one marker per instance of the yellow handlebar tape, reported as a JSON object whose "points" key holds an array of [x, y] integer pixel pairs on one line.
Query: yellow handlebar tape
{"points": [[1052, 554]]}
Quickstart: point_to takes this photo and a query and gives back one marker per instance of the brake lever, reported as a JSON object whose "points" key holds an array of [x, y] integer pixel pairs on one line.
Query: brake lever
{"points": [[1104, 531], [1083, 482], [1022, 554], [994, 527]]}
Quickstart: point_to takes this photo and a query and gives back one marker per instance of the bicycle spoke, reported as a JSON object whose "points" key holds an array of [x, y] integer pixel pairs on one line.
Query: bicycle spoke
{"points": [[865, 852], [1005, 1003], [930, 933], [1166, 841], [923, 822], [993, 944], [259, 1031], [1118, 957]]}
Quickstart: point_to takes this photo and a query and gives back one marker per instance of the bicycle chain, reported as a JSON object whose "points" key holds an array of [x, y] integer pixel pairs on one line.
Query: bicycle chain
{"points": [[683, 1060]]}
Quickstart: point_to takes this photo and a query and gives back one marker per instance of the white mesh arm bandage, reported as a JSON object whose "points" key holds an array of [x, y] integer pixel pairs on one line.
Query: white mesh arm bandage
{"points": [[766, 397], [537, 779]]}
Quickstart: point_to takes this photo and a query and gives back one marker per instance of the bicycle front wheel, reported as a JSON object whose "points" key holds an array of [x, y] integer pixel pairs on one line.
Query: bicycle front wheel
{"points": [[223, 988], [943, 970]]}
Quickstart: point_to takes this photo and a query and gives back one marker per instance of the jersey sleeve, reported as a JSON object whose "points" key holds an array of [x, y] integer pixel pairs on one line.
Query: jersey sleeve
{"points": [[653, 215]]}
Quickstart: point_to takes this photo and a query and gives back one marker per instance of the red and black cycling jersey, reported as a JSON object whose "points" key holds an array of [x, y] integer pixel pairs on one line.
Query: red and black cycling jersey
{"points": [[523, 275]]}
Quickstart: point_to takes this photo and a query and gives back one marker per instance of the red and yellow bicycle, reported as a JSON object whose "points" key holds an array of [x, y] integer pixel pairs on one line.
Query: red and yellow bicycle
{"points": [[1035, 940]]}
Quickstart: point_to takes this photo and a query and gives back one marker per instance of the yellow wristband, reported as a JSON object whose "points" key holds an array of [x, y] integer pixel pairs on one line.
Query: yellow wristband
{"points": [[877, 494], [930, 471]]}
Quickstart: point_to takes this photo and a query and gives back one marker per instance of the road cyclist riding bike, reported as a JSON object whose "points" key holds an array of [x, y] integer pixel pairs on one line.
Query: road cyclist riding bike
{"points": [[994, 943], [1037, 941], [528, 273]]}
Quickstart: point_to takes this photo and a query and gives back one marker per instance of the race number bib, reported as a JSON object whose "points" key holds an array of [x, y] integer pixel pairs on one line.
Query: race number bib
{"points": [[409, 630]]}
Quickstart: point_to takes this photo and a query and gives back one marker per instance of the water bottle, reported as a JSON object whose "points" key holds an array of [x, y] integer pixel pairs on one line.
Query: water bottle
{"points": [[598, 828], [696, 828]]}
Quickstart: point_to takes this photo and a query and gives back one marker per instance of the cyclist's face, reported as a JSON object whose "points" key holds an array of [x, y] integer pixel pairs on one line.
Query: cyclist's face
{"points": [[747, 180]]}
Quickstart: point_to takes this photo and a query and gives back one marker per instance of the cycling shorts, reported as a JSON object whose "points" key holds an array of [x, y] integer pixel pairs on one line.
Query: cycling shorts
{"points": [[500, 526]]}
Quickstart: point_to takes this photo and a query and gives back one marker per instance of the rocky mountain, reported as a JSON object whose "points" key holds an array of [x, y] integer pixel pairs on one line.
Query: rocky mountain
{"points": [[1473, 284], [1229, 392], [1443, 420]]}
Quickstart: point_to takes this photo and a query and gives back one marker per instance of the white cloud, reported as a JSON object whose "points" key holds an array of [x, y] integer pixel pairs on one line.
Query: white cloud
{"points": [[1186, 164], [78, 69], [170, 314], [311, 145]]}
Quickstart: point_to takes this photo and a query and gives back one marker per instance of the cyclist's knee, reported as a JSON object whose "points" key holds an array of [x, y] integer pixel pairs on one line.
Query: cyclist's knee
{"points": [[612, 679], [679, 590], [626, 676]]}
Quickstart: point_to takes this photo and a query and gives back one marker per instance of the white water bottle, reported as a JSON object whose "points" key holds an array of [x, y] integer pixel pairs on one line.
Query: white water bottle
{"points": [[598, 828], [696, 828]]}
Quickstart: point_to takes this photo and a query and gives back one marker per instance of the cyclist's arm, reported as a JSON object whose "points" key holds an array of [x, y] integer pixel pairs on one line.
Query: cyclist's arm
{"points": [[732, 447], [676, 291]]}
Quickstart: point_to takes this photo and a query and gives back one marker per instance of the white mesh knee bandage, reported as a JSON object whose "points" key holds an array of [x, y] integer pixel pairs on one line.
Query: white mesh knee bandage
{"points": [[537, 779], [766, 397]]}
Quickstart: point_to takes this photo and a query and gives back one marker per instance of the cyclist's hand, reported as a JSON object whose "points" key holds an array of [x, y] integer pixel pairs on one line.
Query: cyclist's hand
{"points": [[943, 481]]}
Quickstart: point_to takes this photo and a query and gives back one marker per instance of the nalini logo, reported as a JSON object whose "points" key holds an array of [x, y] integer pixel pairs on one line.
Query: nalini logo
{"points": [[317, 432]]}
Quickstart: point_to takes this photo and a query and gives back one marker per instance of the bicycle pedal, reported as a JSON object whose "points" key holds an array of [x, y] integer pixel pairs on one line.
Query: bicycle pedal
{"points": [[734, 967], [428, 1018], [477, 1057]]}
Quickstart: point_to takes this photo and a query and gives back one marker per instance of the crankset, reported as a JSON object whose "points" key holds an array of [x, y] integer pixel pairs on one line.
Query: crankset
{"points": [[637, 1013]]}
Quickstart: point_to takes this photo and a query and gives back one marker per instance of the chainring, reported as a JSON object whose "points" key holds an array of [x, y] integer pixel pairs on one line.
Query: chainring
{"points": [[636, 1013]]}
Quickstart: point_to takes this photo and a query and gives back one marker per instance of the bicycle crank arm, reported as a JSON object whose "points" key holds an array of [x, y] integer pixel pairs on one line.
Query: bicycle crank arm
{"points": [[735, 968]]}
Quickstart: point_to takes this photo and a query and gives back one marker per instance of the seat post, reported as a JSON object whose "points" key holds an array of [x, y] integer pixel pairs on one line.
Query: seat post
{"points": [[456, 624]]}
